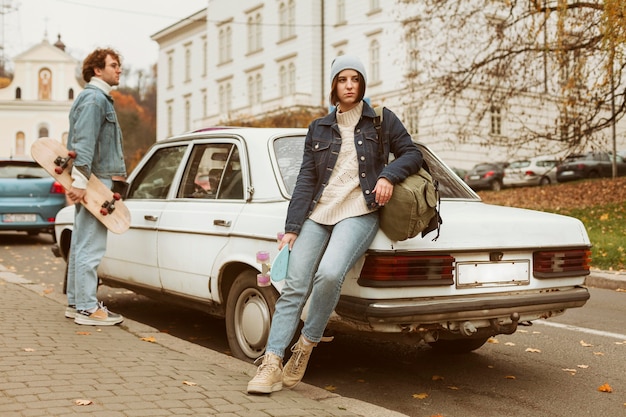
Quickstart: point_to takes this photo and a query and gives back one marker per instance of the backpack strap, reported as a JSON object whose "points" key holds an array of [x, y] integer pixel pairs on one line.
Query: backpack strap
{"points": [[378, 125]]}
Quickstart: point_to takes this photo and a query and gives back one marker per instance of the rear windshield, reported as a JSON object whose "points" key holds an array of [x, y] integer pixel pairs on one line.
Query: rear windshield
{"points": [[21, 169], [288, 152]]}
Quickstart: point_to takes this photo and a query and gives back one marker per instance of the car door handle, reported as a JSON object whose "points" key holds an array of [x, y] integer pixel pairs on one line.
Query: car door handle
{"points": [[225, 223], [150, 218]]}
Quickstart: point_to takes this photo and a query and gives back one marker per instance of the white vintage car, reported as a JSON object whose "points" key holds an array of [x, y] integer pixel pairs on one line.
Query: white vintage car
{"points": [[204, 203]]}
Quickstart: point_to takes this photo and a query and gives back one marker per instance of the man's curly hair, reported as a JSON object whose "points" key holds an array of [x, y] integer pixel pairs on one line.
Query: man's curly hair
{"points": [[96, 59]]}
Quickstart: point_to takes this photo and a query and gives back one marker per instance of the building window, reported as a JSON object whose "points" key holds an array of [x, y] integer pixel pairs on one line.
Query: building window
{"points": [[292, 79], [205, 103], [251, 94], [20, 144], [411, 118], [18, 93], [170, 121], [188, 63], [170, 70], [205, 56], [225, 98], [255, 30], [187, 115], [374, 5], [374, 74], [282, 77], [496, 120], [413, 52], [341, 11], [225, 45], [70, 94], [259, 89], [43, 132], [287, 19]]}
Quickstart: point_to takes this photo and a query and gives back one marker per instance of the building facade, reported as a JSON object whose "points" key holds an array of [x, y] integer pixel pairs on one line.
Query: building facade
{"points": [[37, 101], [240, 61]]}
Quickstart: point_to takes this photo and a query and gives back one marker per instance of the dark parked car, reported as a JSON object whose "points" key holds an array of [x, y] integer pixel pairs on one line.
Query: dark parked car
{"points": [[29, 197], [486, 176], [590, 165]]}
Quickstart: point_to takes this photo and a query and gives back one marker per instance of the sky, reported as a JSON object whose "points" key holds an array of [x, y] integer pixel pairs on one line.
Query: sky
{"points": [[84, 25]]}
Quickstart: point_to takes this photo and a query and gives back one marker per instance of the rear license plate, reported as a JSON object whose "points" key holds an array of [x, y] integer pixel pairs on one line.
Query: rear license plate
{"points": [[474, 177], [566, 173], [19, 218], [480, 274]]}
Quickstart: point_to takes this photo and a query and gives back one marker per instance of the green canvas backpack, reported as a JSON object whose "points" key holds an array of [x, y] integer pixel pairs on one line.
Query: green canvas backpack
{"points": [[413, 208]]}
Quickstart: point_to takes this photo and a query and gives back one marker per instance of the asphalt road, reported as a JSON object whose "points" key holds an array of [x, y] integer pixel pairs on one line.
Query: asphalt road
{"points": [[554, 368]]}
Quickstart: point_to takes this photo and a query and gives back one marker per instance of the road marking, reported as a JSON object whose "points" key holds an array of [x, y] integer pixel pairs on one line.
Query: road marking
{"points": [[582, 329]]}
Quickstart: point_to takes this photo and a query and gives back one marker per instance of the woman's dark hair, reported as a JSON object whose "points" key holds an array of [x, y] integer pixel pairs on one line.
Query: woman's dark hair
{"points": [[333, 90], [96, 59]]}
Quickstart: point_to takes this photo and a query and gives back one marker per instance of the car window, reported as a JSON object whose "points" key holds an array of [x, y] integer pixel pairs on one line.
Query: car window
{"points": [[289, 150], [25, 169], [156, 176], [519, 164], [213, 172]]}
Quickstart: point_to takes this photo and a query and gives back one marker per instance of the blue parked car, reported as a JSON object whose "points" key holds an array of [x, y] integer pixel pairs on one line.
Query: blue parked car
{"points": [[29, 197]]}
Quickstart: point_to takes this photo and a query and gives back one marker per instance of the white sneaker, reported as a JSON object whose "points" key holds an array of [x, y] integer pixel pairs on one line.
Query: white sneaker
{"points": [[101, 317], [296, 365], [269, 376]]}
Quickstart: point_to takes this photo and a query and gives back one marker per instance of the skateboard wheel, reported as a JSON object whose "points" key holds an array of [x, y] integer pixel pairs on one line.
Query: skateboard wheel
{"points": [[117, 196], [72, 154], [104, 211], [58, 170]]}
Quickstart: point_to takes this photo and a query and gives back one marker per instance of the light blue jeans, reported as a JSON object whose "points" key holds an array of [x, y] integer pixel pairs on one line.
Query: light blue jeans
{"points": [[319, 261], [89, 240]]}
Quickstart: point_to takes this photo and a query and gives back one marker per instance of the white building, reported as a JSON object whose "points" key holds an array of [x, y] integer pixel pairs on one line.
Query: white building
{"points": [[37, 101], [237, 61]]}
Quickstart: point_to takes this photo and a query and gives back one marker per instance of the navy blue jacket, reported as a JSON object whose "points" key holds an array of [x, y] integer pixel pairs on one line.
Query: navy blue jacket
{"points": [[321, 148]]}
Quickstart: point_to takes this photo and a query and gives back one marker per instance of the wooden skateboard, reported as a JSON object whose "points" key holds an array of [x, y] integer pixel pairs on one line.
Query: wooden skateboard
{"points": [[104, 204]]}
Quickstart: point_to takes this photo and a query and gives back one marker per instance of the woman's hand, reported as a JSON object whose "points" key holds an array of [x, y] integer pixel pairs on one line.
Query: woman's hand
{"points": [[288, 239], [383, 191]]}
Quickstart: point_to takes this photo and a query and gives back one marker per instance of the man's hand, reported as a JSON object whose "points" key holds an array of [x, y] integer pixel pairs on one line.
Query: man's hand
{"points": [[77, 195]]}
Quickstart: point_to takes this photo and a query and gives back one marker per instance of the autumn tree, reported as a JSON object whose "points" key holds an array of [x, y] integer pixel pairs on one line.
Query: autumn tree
{"points": [[563, 58]]}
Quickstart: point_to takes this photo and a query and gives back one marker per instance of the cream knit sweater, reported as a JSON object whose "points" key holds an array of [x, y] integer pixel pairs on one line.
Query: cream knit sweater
{"points": [[342, 197]]}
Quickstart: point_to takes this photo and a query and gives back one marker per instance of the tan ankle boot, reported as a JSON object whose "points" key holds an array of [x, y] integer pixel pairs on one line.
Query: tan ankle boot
{"points": [[296, 366], [269, 376]]}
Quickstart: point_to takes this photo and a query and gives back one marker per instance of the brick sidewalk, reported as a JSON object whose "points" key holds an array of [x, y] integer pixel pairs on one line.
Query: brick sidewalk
{"points": [[47, 363]]}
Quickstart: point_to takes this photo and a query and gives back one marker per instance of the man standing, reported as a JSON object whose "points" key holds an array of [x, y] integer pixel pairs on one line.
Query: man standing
{"points": [[96, 137]]}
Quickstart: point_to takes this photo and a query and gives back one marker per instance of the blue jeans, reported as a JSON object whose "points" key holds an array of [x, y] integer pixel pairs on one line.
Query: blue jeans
{"points": [[319, 261], [89, 239]]}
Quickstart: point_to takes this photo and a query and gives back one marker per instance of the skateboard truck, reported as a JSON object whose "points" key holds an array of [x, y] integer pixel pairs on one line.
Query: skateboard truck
{"points": [[62, 163], [109, 206]]}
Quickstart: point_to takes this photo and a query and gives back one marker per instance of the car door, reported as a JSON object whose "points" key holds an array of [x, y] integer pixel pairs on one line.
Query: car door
{"points": [[196, 225], [132, 256]]}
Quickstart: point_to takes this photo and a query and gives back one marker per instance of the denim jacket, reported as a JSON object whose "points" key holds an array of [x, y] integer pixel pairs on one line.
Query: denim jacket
{"points": [[321, 148], [95, 135]]}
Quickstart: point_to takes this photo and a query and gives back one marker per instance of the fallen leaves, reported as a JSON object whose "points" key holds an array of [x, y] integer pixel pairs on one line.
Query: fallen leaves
{"points": [[29, 350], [585, 344], [533, 350], [150, 339], [189, 383], [420, 396], [330, 388], [82, 333], [605, 388], [83, 402]]}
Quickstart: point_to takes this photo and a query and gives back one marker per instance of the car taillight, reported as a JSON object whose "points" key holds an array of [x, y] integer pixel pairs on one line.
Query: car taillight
{"points": [[530, 173], [57, 188], [399, 270], [489, 174], [562, 263]]}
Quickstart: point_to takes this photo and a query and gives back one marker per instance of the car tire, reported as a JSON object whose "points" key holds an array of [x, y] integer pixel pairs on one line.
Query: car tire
{"points": [[457, 346], [496, 185], [544, 181], [249, 311]]}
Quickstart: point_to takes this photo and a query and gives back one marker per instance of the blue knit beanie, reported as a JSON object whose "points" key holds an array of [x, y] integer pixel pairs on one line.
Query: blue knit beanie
{"points": [[344, 62]]}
